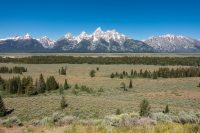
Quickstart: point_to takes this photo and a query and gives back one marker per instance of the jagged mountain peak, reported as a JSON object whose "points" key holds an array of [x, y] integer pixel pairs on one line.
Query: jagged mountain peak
{"points": [[97, 35], [98, 30], [173, 43], [100, 41], [83, 36], [46, 42], [27, 36], [170, 36], [69, 36]]}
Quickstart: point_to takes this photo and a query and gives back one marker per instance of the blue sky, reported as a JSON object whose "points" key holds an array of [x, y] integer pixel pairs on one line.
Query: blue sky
{"points": [[138, 19]]}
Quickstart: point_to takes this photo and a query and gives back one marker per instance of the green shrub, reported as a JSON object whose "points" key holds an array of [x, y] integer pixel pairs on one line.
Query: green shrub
{"points": [[112, 75], [145, 108], [127, 120], [12, 121], [92, 73], [118, 112], [86, 89], [184, 117], [100, 90], [161, 117]]}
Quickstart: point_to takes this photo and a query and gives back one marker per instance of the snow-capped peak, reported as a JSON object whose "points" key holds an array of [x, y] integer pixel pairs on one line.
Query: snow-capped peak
{"points": [[169, 36], [108, 35], [172, 43], [46, 42], [97, 35], [69, 36], [15, 38], [27, 36], [98, 30], [82, 36]]}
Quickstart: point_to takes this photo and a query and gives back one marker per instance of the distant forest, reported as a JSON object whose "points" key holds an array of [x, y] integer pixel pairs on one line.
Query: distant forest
{"points": [[186, 61]]}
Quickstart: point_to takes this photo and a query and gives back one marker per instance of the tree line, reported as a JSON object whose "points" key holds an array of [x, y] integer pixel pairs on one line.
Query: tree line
{"points": [[163, 72], [25, 85], [187, 61], [15, 69]]}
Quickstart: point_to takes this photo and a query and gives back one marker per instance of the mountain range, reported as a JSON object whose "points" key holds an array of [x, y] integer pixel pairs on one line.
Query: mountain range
{"points": [[109, 41]]}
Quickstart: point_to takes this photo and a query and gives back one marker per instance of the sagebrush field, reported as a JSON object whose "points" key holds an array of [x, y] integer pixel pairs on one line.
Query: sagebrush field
{"points": [[181, 94]]}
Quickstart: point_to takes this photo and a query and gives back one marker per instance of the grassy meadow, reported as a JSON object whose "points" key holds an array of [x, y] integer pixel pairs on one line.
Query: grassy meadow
{"points": [[179, 93]]}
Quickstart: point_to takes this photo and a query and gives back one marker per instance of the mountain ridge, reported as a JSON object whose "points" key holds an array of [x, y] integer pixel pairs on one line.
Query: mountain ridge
{"points": [[100, 41]]}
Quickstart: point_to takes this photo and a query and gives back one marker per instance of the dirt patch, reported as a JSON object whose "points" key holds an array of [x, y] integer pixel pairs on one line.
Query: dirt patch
{"points": [[12, 130]]}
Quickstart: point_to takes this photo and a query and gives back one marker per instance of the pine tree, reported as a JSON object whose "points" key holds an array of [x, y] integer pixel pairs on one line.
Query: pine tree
{"points": [[66, 85], [63, 71], [144, 108], [2, 108], [51, 83], [132, 74], [135, 73], [112, 75], [166, 109], [41, 85], [131, 84], [27, 85], [19, 88], [124, 73], [59, 71], [141, 73], [155, 76], [92, 73]]}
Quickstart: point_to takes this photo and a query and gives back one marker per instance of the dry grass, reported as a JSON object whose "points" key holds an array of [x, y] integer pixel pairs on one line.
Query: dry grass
{"points": [[158, 128], [180, 93]]}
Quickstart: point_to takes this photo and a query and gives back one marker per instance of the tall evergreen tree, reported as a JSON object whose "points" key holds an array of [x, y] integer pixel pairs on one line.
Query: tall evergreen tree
{"points": [[19, 88], [132, 73], [166, 109], [51, 83], [62, 71], [131, 84], [41, 85], [154, 76]]}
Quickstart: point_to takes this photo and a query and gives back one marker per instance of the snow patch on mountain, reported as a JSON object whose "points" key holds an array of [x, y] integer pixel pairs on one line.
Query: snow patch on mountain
{"points": [[25, 37], [97, 35], [46, 42], [173, 43]]}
